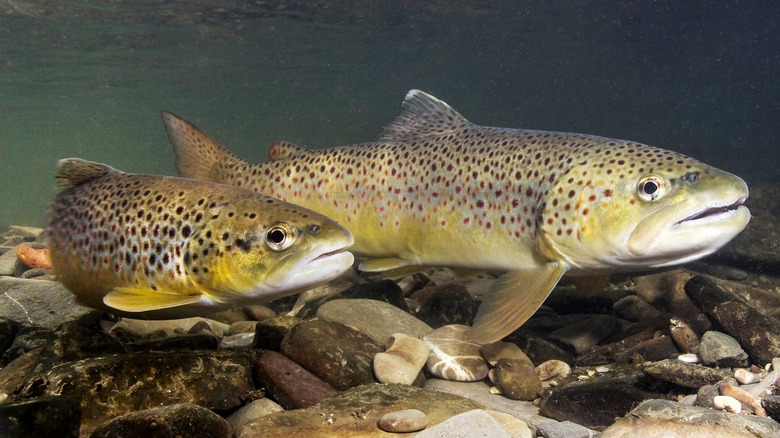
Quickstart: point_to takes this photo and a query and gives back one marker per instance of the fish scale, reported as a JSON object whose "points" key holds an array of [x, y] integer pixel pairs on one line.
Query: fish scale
{"points": [[436, 189], [154, 246]]}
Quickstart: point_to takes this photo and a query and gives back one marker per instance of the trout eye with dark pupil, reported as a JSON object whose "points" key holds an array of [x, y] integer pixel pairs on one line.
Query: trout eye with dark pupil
{"points": [[279, 237], [650, 187]]}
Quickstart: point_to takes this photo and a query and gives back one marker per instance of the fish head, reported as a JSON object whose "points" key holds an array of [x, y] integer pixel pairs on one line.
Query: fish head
{"points": [[649, 209], [265, 249]]}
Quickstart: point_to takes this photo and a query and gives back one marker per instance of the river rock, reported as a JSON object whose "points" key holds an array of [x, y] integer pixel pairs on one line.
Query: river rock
{"points": [[376, 319], [664, 418], [386, 291], [684, 374], [356, 412], [584, 335], [43, 417], [39, 302], [517, 379], [335, 353], [756, 332], [107, 387], [592, 404], [180, 420], [289, 383], [466, 425], [538, 348], [634, 308], [270, 332], [684, 336], [502, 350], [8, 331], [403, 360], [9, 262], [454, 356], [252, 411], [666, 290], [721, 350], [404, 421], [448, 304], [129, 329]]}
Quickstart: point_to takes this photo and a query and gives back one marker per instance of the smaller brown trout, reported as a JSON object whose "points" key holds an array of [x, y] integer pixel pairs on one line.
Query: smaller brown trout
{"points": [[163, 247], [434, 189]]}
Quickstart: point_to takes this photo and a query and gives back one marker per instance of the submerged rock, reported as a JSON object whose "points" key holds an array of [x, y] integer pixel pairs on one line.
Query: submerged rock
{"points": [[356, 412], [684, 374], [376, 319], [721, 350], [289, 383], [180, 420], [468, 424], [43, 417], [404, 421], [403, 360], [664, 418], [41, 303], [454, 356]]}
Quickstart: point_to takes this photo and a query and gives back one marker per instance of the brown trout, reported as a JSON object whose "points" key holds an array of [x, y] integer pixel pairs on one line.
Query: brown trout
{"points": [[435, 189], [163, 247]]}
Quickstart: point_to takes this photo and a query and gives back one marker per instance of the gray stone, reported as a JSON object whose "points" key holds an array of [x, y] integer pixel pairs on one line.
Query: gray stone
{"points": [[376, 319], [404, 421], [721, 350], [134, 329], [39, 302], [563, 429], [684, 374], [476, 423], [9, 262], [175, 421], [252, 411], [234, 342], [664, 418]]}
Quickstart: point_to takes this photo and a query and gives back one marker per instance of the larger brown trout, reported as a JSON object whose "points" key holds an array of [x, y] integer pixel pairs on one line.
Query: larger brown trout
{"points": [[162, 247], [435, 189]]}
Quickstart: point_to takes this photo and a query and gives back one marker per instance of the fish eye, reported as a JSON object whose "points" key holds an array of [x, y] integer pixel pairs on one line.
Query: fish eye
{"points": [[650, 187], [279, 237]]}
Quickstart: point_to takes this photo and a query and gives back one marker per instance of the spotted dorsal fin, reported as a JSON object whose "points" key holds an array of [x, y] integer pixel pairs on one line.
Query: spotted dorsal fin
{"points": [[422, 115], [72, 172], [282, 149]]}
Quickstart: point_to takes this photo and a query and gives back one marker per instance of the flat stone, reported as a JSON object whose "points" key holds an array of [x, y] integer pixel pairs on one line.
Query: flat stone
{"points": [[114, 385], [337, 354], [239, 341], [564, 429], [242, 327], [376, 319], [180, 420], [467, 425], [592, 404], [584, 335], [356, 413], [684, 374], [454, 356], [756, 332], [252, 411], [664, 418], [39, 302], [386, 291], [290, 384], [9, 262], [404, 421], [135, 329], [657, 348], [721, 350]]}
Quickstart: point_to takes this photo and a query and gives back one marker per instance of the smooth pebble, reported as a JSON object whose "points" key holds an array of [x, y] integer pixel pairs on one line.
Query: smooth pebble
{"points": [[407, 420]]}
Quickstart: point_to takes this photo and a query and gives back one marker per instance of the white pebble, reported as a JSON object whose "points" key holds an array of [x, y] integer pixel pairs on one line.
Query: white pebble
{"points": [[602, 369], [552, 369], [728, 403], [745, 377], [495, 391], [688, 358]]}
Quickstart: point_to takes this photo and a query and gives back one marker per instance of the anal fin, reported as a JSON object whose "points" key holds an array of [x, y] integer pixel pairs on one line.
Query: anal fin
{"points": [[513, 299], [145, 299]]}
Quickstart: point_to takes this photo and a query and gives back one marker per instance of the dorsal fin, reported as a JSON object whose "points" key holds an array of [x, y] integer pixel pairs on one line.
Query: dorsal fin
{"points": [[282, 149], [422, 115], [74, 171]]}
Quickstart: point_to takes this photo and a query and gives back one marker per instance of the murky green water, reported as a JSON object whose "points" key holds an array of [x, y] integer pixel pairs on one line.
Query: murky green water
{"points": [[89, 78]]}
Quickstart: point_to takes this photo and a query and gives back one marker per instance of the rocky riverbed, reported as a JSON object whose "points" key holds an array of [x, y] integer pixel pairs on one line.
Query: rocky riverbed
{"points": [[693, 350]]}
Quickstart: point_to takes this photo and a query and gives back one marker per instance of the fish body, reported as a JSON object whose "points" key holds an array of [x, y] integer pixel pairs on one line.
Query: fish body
{"points": [[163, 247], [436, 189]]}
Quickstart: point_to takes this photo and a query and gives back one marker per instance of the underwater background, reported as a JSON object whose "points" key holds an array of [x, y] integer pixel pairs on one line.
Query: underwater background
{"points": [[89, 78]]}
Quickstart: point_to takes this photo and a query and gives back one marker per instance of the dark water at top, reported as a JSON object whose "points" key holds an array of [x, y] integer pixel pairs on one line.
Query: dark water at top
{"points": [[89, 78]]}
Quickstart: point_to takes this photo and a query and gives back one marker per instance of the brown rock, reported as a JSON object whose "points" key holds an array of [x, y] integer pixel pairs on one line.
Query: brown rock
{"points": [[337, 354], [289, 383], [517, 379], [181, 420]]}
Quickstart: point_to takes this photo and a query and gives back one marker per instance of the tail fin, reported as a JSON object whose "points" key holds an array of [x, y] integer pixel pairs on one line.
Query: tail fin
{"points": [[198, 156], [72, 172]]}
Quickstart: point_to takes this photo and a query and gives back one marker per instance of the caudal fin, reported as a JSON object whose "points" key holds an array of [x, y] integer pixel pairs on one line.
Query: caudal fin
{"points": [[198, 156]]}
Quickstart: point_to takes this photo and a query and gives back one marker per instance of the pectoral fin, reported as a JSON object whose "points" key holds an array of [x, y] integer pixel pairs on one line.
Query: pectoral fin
{"points": [[144, 299], [386, 264], [513, 298]]}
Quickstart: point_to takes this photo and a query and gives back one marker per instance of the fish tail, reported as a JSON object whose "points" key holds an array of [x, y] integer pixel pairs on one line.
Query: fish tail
{"points": [[72, 172], [197, 156]]}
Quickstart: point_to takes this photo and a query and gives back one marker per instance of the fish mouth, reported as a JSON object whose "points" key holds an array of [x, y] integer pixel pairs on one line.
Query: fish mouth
{"points": [[714, 213]]}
